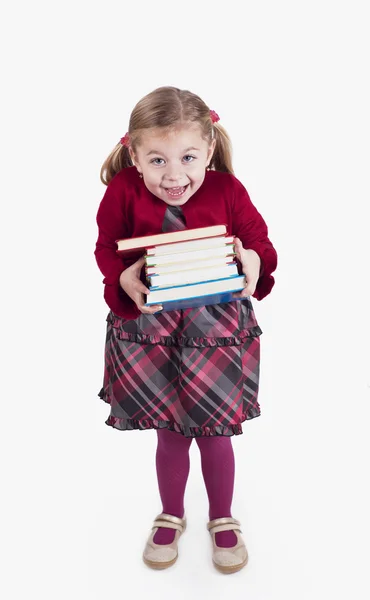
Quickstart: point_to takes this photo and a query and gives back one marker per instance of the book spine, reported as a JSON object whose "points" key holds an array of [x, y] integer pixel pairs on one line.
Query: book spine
{"points": [[142, 242]]}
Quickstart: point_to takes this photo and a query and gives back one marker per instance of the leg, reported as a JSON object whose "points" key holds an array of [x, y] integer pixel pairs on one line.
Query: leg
{"points": [[173, 464], [218, 468]]}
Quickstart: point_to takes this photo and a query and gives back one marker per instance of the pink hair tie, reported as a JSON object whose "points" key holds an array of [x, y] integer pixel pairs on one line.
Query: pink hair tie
{"points": [[125, 141], [214, 116]]}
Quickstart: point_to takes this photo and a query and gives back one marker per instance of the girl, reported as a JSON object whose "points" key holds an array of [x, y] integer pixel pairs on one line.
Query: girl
{"points": [[185, 373]]}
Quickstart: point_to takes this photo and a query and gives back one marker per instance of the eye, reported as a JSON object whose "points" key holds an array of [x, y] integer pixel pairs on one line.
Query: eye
{"points": [[186, 156]]}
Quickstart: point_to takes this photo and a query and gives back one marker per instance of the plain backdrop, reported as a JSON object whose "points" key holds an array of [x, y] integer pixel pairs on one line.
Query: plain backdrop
{"points": [[290, 81]]}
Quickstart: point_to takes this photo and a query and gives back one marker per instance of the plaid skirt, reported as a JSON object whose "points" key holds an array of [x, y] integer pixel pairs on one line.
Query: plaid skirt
{"points": [[193, 371]]}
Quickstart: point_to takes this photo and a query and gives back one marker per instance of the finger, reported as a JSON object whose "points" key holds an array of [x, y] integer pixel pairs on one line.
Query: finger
{"points": [[238, 247], [150, 309], [248, 290], [239, 295], [137, 264], [144, 308], [238, 244], [154, 308], [141, 288]]}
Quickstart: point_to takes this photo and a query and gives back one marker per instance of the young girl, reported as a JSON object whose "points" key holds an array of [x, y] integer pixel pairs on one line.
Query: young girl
{"points": [[185, 373]]}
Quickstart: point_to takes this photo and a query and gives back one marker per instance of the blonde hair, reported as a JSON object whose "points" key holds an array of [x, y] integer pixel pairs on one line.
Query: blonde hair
{"points": [[168, 108]]}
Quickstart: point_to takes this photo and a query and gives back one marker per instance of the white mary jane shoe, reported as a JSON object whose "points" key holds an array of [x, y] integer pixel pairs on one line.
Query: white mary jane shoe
{"points": [[228, 560], [161, 556]]}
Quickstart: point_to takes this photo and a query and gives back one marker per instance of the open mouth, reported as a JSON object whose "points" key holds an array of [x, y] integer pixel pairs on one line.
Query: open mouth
{"points": [[176, 192]]}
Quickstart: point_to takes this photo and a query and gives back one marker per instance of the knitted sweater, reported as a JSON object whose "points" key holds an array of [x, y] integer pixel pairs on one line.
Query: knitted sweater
{"points": [[128, 209]]}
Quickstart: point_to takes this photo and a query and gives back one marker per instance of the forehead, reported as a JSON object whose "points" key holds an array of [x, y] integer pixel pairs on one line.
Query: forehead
{"points": [[180, 137]]}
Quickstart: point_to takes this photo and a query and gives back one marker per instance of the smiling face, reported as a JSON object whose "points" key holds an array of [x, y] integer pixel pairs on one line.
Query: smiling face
{"points": [[174, 166]]}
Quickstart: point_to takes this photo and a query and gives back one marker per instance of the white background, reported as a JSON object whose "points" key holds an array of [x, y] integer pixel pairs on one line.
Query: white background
{"points": [[290, 81]]}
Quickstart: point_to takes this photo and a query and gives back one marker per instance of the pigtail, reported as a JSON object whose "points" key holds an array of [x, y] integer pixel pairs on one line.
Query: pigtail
{"points": [[118, 159], [222, 156]]}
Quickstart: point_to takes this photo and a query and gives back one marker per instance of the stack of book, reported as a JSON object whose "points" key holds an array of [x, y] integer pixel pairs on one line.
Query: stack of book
{"points": [[188, 268]]}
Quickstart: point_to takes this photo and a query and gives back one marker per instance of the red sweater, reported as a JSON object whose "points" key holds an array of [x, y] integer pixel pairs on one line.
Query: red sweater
{"points": [[129, 209]]}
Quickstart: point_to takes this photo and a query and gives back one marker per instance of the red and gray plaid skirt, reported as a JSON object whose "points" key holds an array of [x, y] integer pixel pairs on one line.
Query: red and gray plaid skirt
{"points": [[193, 371]]}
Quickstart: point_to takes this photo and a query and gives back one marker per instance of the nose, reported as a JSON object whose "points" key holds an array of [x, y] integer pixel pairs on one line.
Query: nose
{"points": [[173, 174]]}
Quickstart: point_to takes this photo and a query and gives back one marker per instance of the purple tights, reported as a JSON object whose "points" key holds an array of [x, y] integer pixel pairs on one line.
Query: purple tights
{"points": [[218, 469]]}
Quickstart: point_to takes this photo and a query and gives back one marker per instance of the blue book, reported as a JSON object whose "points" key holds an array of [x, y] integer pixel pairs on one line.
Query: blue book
{"points": [[216, 291], [199, 301]]}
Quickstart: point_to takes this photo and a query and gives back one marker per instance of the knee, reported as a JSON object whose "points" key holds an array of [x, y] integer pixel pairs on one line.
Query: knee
{"points": [[214, 444], [171, 439]]}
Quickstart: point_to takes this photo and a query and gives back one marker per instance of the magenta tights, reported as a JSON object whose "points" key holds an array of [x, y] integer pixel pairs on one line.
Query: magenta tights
{"points": [[218, 469]]}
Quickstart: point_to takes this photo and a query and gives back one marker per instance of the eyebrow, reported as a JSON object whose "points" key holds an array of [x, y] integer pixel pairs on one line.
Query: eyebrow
{"points": [[186, 150]]}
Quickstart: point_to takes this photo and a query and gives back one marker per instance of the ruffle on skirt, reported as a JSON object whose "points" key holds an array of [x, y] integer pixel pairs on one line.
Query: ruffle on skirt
{"points": [[182, 341], [193, 371], [224, 331], [143, 424]]}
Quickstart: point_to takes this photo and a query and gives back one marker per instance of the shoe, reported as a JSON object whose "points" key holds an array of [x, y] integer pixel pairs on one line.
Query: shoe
{"points": [[162, 556], [228, 560]]}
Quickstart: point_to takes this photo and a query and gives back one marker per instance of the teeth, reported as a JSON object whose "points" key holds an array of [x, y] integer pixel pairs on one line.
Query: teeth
{"points": [[176, 191]]}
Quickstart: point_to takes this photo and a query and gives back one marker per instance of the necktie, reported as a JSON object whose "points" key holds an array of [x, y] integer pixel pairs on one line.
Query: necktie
{"points": [[174, 219]]}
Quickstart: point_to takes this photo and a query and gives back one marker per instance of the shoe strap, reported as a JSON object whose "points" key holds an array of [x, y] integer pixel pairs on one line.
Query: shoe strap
{"points": [[229, 527], [169, 521], [168, 525], [230, 522]]}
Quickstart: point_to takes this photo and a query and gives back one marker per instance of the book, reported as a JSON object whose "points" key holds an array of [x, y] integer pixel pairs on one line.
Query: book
{"points": [[192, 275], [221, 261], [186, 268], [195, 255], [190, 245], [133, 245], [196, 302], [196, 290]]}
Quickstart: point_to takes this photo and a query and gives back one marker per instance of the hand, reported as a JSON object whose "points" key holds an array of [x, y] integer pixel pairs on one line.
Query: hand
{"points": [[251, 264], [131, 283]]}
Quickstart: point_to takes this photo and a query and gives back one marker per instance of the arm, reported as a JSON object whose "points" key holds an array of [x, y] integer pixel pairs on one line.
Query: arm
{"points": [[112, 226], [249, 226]]}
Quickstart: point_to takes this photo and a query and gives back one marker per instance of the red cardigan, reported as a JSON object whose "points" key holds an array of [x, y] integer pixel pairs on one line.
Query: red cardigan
{"points": [[129, 209]]}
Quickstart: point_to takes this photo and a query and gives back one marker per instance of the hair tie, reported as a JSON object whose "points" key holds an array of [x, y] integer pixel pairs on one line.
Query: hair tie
{"points": [[125, 141], [214, 116]]}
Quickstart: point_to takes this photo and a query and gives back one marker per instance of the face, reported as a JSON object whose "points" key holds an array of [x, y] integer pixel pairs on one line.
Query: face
{"points": [[173, 167]]}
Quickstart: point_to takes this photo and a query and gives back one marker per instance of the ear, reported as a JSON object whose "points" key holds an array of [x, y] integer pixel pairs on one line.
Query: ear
{"points": [[133, 157]]}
